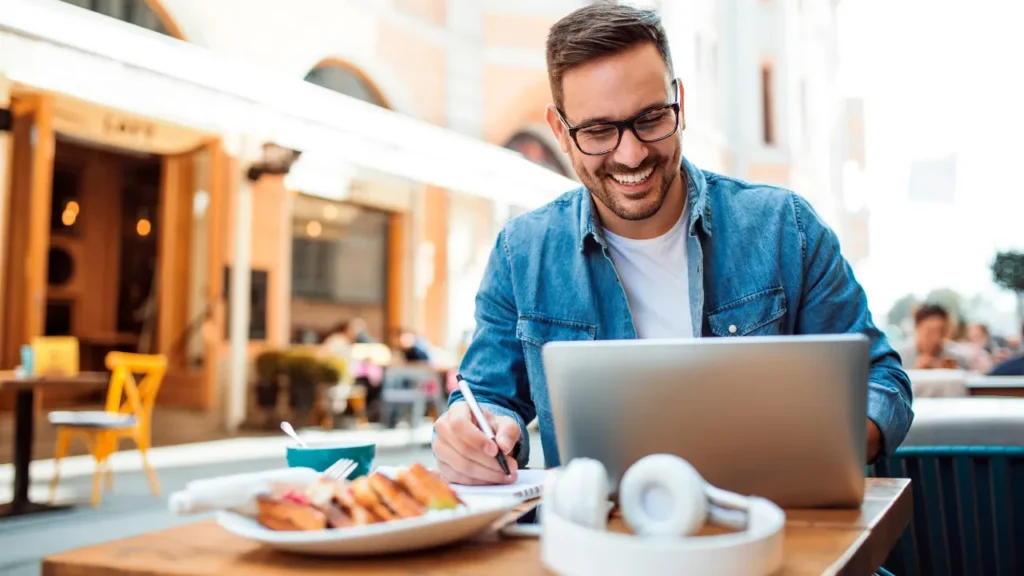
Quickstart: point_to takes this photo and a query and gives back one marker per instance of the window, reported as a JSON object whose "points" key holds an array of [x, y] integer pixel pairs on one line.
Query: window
{"points": [[767, 105], [536, 151], [259, 292], [341, 262], [343, 79], [138, 12]]}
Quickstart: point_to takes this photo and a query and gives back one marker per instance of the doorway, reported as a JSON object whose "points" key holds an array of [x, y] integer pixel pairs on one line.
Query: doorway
{"points": [[102, 253], [105, 239]]}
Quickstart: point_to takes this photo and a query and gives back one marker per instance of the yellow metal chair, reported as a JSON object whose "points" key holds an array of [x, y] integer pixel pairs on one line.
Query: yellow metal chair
{"points": [[128, 414]]}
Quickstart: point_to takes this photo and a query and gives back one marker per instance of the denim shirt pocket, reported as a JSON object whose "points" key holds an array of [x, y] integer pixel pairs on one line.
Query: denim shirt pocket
{"points": [[757, 314], [534, 332], [537, 331]]}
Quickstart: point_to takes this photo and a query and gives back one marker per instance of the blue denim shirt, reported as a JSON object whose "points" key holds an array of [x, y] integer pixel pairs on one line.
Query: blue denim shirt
{"points": [[760, 258]]}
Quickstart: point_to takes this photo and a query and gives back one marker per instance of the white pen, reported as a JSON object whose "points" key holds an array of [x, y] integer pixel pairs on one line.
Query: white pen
{"points": [[482, 421]]}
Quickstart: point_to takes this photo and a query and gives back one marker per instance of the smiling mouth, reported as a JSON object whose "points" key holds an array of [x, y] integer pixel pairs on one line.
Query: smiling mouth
{"points": [[632, 179]]}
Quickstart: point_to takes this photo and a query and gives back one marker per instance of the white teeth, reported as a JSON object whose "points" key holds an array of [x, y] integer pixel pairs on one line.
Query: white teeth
{"points": [[634, 177]]}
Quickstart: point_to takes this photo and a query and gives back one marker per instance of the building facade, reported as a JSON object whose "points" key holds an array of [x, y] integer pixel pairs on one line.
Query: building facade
{"points": [[333, 240]]}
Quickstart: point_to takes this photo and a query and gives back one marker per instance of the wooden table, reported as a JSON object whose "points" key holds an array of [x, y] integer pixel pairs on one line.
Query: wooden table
{"points": [[24, 430], [817, 542]]}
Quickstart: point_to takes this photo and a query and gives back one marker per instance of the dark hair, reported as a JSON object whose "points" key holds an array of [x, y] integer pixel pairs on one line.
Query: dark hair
{"points": [[598, 30], [930, 311]]}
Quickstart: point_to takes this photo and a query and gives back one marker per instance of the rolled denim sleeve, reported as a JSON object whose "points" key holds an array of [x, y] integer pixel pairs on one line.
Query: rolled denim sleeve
{"points": [[834, 302], [494, 367]]}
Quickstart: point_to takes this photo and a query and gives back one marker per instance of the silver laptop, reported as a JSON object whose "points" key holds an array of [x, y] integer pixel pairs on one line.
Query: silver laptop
{"points": [[779, 417]]}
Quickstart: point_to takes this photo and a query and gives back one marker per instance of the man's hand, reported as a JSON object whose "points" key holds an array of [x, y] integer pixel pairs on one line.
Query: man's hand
{"points": [[465, 455], [874, 440]]}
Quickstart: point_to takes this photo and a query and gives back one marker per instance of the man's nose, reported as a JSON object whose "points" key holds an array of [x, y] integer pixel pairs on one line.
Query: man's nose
{"points": [[631, 151]]}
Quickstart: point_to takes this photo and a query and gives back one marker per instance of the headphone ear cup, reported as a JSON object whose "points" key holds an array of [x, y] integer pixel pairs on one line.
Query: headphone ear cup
{"points": [[663, 495], [581, 494]]}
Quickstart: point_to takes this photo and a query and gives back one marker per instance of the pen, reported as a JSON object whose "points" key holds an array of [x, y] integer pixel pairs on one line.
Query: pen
{"points": [[479, 416]]}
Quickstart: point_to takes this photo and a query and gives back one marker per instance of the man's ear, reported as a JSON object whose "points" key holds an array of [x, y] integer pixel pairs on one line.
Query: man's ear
{"points": [[557, 128], [682, 104]]}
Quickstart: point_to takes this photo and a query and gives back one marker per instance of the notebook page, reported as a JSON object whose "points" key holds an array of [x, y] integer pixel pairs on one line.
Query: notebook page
{"points": [[528, 484]]}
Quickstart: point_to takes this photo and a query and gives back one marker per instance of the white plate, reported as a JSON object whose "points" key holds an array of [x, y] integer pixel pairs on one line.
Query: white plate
{"points": [[436, 528]]}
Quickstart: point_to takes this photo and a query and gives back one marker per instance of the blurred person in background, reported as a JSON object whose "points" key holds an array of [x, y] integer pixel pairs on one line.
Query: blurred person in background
{"points": [[930, 349], [357, 332], [414, 347], [339, 340], [978, 335], [1013, 366]]}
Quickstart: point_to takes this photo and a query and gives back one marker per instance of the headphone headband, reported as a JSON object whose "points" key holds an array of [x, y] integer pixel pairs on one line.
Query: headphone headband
{"points": [[570, 549], [574, 540]]}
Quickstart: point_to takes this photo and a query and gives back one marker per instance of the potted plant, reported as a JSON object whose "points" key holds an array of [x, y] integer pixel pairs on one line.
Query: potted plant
{"points": [[269, 366], [304, 374], [332, 370]]}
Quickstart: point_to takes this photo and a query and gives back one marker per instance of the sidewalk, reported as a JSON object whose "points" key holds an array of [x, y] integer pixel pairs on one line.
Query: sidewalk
{"points": [[220, 452], [171, 426], [186, 438]]}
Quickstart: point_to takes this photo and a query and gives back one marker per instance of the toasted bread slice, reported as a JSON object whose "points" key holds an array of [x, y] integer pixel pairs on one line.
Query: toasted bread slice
{"points": [[281, 514], [428, 488], [360, 514], [397, 499], [366, 497]]}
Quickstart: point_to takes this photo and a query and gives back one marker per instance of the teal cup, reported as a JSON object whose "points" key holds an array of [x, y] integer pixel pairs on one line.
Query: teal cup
{"points": [[320, 455]]}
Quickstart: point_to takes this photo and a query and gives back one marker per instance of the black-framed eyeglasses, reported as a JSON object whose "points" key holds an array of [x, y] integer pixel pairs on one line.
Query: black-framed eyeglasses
{"points": [[597, 138]]}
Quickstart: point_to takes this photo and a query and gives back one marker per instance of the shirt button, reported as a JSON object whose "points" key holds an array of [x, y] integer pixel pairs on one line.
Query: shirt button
{"points": [[732, 329]]}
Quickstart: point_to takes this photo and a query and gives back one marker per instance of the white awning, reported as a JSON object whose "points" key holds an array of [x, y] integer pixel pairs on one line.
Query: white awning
{"points": [[63, 49]]}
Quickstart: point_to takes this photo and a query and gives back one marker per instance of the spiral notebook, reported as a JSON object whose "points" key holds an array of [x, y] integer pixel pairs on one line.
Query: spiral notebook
{"points": [[528, 484]]}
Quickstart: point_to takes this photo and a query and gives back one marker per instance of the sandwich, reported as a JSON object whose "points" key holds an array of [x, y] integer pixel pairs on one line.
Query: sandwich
{"points": [[328, 503]]}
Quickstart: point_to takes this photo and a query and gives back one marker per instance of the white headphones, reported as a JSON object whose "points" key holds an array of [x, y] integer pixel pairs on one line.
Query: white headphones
{"points": [[664, 500]]}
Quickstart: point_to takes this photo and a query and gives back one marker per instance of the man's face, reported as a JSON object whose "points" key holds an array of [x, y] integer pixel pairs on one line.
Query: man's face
{"points": [[633, 180], [930, 334]]}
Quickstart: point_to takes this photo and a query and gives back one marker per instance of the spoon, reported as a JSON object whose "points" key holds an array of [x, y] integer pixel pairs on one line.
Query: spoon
{"points": [[291, 432]]}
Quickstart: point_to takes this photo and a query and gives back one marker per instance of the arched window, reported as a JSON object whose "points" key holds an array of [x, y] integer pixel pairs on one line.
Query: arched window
{"points": [[535, 150], [148, 14], [342, 78]]}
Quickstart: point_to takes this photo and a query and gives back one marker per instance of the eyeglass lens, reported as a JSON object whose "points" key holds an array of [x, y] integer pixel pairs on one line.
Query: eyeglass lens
{"points": [[651, 127]]}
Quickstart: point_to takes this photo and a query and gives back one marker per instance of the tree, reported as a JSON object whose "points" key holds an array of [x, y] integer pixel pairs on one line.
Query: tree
{"points": [[902, 309], [948, 299], [1008, 273]]}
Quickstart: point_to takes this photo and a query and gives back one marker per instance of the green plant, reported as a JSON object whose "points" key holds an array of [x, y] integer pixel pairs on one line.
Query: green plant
{"points": [[949, 299], [1008, 273], [902, 309], [302, 369], [331, 370], [269, 365]]}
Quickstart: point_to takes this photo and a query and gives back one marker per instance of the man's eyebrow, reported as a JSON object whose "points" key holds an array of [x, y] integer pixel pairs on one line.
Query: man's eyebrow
{"points": [[606, 119]]}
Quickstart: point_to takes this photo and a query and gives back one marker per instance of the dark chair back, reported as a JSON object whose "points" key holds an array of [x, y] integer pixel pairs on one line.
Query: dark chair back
{"points": [[968, 492]]}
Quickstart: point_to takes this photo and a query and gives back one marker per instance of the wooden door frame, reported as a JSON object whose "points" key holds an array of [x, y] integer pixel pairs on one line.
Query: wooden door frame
{"points": [[218, 187], [25, 275], [177, 188]]}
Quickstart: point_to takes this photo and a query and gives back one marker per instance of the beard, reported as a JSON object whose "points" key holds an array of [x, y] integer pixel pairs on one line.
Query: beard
{"points": [[632, 207]]}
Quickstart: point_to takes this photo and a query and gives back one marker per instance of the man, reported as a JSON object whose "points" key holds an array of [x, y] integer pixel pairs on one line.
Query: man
{"points": [[650, 247], [930, 349]]}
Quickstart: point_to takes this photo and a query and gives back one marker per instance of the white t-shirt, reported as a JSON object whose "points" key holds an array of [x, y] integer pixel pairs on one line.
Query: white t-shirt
{"points": [[654, 274]]}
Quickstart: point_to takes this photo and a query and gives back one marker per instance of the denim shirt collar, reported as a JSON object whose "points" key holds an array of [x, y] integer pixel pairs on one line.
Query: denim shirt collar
{"points": [[696, 197]]}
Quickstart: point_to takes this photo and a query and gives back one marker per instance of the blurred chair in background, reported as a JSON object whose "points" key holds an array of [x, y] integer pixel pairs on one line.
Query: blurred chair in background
{"points": [[128, 414]]}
